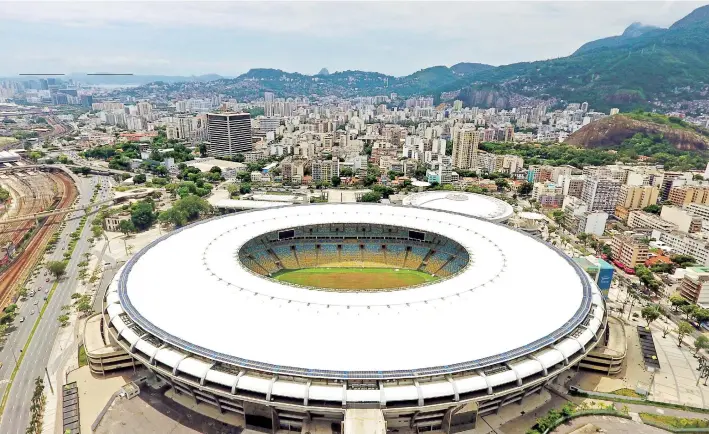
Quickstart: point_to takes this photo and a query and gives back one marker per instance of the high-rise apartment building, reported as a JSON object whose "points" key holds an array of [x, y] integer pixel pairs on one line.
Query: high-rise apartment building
{"points": [[269, 99], [632, 197], [465, 147], [572, 185], [324, 170], [600, 194], [684, 195], [144, 108], [637, 197], [668, 179], [229, 134]]}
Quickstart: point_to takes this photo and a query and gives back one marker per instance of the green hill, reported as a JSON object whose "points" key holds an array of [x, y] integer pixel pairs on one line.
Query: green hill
{"points": [[632, 70], [644, 67]]}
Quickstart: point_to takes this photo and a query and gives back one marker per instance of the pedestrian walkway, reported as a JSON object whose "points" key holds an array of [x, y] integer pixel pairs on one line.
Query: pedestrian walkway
{"points": [[63, 351], [676, 381]]}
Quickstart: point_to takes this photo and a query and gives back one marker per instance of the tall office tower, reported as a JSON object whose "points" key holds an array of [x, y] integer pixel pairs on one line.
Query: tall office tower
{"points": [[268, 109], [465, 148], [229, 134]]}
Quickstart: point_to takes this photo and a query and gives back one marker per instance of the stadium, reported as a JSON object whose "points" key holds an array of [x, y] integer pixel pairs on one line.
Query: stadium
{"points": [[241, 312], [477, 205]]}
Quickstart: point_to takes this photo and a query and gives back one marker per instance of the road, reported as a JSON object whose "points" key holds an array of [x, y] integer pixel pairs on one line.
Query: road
{"points": [[16, 415]]}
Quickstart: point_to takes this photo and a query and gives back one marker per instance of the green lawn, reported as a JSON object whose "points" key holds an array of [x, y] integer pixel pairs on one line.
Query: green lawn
{"points": [[674, 422], [83, 359], [627, 392], [354, 278]]}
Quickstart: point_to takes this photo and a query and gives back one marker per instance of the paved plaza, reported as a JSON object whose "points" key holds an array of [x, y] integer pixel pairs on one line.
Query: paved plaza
{"points": [[676, 381], [609, 424]]}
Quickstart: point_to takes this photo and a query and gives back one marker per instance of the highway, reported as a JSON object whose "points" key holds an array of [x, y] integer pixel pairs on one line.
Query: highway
{"points": [[15, 418]]}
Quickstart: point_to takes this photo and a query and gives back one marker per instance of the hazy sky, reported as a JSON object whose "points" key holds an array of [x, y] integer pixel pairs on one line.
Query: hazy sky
{"points": [[230, 37]]}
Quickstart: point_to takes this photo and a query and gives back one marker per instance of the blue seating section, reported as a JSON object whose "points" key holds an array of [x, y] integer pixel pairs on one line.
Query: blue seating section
{"points": [[435, 262], [325, 246], [415, 257]]}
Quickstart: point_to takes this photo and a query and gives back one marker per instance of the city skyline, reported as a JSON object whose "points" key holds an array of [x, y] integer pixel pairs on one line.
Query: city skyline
{"points": [[229, 38]]}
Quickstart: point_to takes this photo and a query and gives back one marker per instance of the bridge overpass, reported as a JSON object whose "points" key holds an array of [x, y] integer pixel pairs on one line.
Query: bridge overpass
{"points": [[64, 167], [86, 208]]}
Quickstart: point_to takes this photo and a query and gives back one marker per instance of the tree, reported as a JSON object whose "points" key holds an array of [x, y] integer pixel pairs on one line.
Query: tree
{"points": [[245, 188], [650, 314], [346, 172], [57, 268], [383, 190], [335, 181], [216, 169], [372, 196], [239, 158], [683, 260], [525, 189], [37, 404], [143, 215], [677, 301], [139, 178], [701, 315], [185, 210], [502, 184], [688, 310], [126, 227], [653, 209], [700, 343], [4, 195], [583, 237], [558, 216], [83, 304], [202, 150], [683, 329], [63, 319]]}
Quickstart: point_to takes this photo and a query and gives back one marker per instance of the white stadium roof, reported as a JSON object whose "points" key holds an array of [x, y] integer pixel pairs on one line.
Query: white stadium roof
{"points": [[516, 296], [476, 205]]}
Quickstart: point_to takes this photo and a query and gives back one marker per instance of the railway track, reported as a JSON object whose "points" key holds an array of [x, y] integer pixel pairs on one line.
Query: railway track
{"points": [[18, 271], [31, 199]]}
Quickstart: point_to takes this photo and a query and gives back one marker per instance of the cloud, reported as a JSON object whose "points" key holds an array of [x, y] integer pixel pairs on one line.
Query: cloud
{"points": [[391, 37]]}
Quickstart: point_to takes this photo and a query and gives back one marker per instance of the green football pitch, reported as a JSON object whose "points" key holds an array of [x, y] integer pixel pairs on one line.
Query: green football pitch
{"points": [[361, 279]]}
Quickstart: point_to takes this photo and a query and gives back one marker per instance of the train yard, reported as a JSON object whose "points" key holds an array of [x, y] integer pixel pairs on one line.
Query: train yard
{"points": [[22, 243]]}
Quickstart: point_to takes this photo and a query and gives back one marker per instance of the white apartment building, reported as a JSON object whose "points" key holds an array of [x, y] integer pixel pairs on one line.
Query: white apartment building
{"points": [[600, 194], [701, 211], [642, 220], [683, 219], [695, 245], [592, 223]]}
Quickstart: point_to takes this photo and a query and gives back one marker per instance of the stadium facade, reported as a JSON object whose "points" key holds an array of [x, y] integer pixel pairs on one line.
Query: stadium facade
{"points": [[197, 307]]}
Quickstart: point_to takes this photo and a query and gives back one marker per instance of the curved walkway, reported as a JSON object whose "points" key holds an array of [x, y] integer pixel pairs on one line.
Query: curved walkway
{"points": [[609, 424]]}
